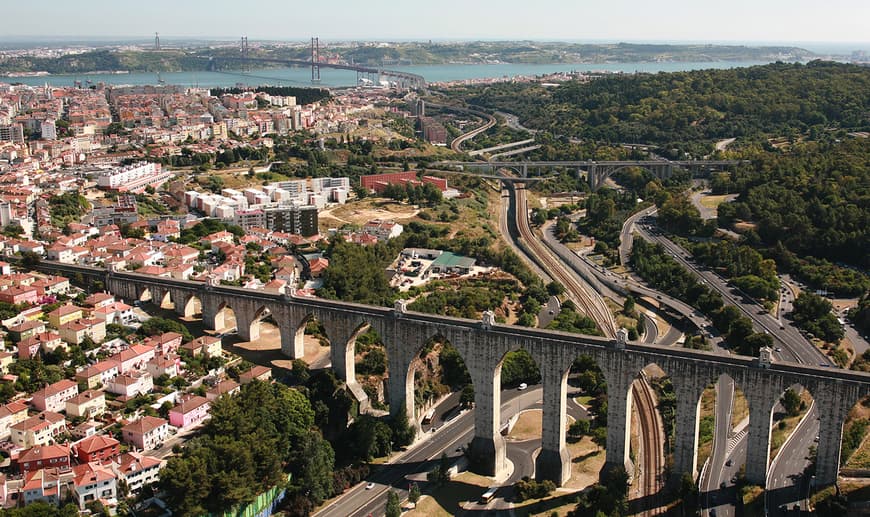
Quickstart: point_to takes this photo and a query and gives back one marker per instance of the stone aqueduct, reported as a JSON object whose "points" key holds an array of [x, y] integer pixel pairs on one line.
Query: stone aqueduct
{"points": [[483, 345]]}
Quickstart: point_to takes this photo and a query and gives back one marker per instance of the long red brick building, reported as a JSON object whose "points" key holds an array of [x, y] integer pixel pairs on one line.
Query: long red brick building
{"points": [[378, 182]]}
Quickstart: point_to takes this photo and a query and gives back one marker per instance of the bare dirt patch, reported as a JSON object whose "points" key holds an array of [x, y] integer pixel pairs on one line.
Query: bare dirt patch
{"points": [[586, 462], [528, 426]]}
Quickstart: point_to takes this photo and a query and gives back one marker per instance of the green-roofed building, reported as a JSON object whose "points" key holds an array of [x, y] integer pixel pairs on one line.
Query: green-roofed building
{"points": [[449, 262]]}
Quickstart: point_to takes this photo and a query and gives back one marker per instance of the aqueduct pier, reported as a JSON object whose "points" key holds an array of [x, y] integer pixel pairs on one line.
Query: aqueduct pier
{"points": [[483, 345]]}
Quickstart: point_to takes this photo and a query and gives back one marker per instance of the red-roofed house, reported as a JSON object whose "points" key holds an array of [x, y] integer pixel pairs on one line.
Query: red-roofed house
{"points": [[138, 470], [64, 314], [146, 433], [166, 343], [318, 266], [98, 374], [16, 295], [210, 346], [92, 482], [38, 430], [131, 384], [117, 312], [99, 448], [257, 373], [42, 485], [45, 341], [190, 412], [133, 358], [74, 332], [44, 456], [11, 414], [54, 397], [89, 404]]}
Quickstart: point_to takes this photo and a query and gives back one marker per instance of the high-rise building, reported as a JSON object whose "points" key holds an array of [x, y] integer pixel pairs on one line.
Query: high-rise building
{"points": [[48, 130], [12, 133]]}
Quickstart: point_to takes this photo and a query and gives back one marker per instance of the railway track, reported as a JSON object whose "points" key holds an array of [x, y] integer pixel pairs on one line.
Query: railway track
{"points": [[650, 431], [650, 428], [589, 302]]}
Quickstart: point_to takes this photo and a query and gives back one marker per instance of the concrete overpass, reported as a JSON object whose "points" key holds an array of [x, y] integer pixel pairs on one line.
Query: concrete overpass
{"points": [[598, 171], [483, 345]]}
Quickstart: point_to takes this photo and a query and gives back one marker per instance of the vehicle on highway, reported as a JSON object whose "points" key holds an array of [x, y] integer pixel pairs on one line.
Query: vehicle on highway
{"points": [[370, 486], [522, 386], [729, 463], [488, 495], [427, 418]]}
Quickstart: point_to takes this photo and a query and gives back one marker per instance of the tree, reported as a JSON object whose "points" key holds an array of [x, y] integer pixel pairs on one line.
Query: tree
{"points": [[30, 260], [414, 493], [466, 399], [628, 306], [791, 402], [579, 428], [403, 432], [394, 508]]}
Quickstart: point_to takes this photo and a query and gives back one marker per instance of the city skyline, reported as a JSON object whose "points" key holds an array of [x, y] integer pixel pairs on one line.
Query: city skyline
{"points": [[741, 21]]}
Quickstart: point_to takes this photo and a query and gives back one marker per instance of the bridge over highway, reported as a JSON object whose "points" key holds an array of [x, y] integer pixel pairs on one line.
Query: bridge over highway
{"points": [[483, 345], [598, 171]]}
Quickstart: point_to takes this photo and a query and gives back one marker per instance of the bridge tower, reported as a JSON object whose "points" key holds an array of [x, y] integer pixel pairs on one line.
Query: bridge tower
{"points": [[315, 58], [243, 46], [156, 41]]}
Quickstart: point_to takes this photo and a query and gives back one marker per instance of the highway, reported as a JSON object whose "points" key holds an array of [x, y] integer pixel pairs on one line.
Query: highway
{"points": [[589, 302], [453, 430], [789, 342], [607, 282], [790, 345]]}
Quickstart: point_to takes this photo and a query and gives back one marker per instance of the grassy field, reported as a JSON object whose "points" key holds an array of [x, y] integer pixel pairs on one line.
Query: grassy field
{"points": [[740, 407], [708, 408], [528, 426], [713, 202]]}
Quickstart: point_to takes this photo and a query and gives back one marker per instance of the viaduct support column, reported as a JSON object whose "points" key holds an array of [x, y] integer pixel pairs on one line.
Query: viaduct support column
{"points": [[554, 462], [487, 451], [212, 318], [688, 408], [619, 402], [290, 346], [758, 447], [833, 404], [341, 351], [400, 386]]}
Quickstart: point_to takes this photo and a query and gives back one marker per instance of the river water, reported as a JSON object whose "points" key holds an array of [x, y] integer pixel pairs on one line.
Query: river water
{"points": [[301, 76]]}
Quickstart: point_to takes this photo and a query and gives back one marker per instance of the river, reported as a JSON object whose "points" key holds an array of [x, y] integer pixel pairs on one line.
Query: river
{"points": [[301, 76]]}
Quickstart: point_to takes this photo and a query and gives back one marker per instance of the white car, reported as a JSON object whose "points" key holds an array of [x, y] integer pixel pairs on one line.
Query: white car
{"points": [[523, 386], [370, 486]]}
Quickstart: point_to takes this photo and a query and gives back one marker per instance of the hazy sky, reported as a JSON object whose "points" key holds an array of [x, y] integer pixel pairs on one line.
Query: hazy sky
{"points": [[610, 20]]}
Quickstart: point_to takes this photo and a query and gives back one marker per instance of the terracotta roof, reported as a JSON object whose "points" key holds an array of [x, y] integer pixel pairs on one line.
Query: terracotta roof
{"points": [[86, 396], [144, 425], [96, 443], [43, 452], [190, 404], [90, 473], [57, 387], [131, 462]]}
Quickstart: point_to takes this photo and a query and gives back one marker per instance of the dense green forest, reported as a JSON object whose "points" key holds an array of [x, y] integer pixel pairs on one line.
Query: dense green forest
{"points": [[680, 107], [814, 200], [250, 444]]}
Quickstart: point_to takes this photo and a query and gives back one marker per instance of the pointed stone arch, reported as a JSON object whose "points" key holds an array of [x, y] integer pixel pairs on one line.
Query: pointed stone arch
{"points": [[191, 306]]}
